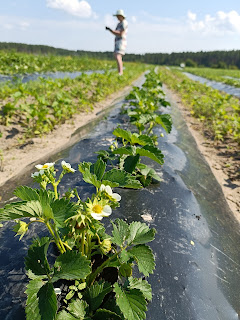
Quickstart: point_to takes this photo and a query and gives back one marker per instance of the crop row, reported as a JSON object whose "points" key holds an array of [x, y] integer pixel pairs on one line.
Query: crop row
{"points": [[40, 105], [21, 63], [230, 77], [91, 273], [219, 112]]}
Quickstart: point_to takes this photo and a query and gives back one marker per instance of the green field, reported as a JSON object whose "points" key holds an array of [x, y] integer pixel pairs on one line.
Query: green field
{"points": [[21, 63], [40, 105]]}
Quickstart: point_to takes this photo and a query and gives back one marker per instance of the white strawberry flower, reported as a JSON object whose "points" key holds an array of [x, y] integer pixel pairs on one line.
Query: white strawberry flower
{"points": [[45, 166], [108, 190], [37, 174], [67, 167], [98, 209]]}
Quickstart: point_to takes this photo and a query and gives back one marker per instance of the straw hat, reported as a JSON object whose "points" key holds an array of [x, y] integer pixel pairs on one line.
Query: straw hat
{"points": [[120, 13]]}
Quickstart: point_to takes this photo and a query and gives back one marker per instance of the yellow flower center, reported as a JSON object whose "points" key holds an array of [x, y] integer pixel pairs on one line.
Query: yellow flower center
{"points": [[97, 208], [45, 166]]}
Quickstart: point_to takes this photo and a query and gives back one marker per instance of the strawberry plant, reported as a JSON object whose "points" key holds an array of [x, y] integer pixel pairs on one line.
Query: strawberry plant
{"points": [[84, 250], [126, 151]]}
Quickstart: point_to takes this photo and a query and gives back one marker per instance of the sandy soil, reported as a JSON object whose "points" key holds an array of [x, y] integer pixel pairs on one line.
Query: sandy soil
{"points": [[223, 158]]}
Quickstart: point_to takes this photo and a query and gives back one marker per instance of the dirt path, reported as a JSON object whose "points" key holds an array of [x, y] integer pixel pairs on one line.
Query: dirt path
{"points": [[223, 158]]}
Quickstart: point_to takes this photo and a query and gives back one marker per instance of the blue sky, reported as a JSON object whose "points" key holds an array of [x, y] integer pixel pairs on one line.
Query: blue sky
{"points": [[154, 25]]}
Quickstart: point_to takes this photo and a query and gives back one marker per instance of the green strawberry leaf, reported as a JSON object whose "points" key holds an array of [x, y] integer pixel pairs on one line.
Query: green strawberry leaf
{"points": [[106, 315], [95, 294], [47, 302], [71, 266], [130, 163], [140, 233], [141, 285], [152, 153], [32, 308], [165, 121], [120, 232], [26, 193], [22, 209], [99, 168], [36, 259], [131, 303], [143, 255]]}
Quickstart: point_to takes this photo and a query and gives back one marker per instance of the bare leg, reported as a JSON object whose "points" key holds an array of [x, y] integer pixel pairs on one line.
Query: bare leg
{"points": [[118, 57]]}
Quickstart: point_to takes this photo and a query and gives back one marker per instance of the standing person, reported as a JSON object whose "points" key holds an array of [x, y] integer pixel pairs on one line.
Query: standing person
{"points": [[120, 39]]}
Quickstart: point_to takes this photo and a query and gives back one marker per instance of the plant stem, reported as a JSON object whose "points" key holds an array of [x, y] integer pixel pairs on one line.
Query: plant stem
{"points": [[67, 246], [89, 239], [54, 236], [58, 238], [55, 190], [93, 276], [83, 241]]}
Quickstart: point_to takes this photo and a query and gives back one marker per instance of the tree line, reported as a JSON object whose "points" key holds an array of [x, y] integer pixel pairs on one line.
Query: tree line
{"points": [[213, 59]]}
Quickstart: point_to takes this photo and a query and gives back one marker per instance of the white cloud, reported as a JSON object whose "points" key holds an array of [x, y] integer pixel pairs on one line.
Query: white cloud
{"points": [[192, 16], [77, 8], [220, 24]]}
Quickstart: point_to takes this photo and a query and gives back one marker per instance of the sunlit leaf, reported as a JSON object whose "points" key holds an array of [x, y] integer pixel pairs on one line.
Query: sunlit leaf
{"points": [[22, 209], [144, 258], [131, 303], [26, 193], [140, 233], [99, 169], [120, 232], [32, 308], [152, 153], [141, 285]]}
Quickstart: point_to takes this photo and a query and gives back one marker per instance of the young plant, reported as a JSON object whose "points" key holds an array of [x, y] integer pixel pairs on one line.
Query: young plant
{"points": [[127, 157], [143, 106]]}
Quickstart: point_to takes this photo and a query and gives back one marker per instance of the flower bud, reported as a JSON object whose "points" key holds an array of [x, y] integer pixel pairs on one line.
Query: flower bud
{"points": [[67, 167], [105, 246], [21, 228]]}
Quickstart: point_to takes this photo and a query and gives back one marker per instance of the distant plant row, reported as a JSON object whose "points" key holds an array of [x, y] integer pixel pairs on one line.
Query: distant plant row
{"points": [[21, 63], [230, 77], [38, 106], [218, 111], [213, 59]]}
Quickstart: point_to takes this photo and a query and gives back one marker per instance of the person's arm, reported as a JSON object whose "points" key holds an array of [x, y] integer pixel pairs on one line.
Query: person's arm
{"points": [[116, 32]]}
